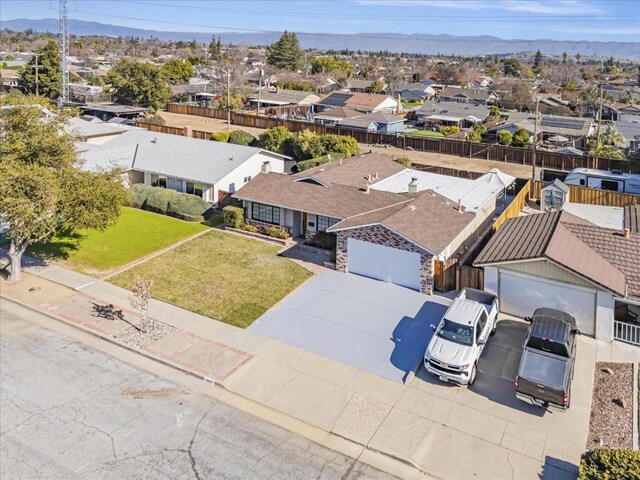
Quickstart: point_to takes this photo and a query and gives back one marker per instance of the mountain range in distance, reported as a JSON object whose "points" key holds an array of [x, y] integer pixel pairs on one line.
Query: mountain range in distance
{"points": [[394, 42]]}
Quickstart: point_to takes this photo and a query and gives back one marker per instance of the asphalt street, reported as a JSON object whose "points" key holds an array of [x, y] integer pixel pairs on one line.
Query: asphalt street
{"points": [[70, 411]]}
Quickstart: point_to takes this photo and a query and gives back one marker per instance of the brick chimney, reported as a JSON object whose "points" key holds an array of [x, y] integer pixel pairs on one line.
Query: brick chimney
{"points": [[266, 167], [413, 185], [188, 131]]}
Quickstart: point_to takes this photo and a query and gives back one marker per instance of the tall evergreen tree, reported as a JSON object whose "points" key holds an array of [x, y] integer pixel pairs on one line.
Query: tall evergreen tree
{"points": [[537, 62], [48, 72], [215, 49], [286, 52]]}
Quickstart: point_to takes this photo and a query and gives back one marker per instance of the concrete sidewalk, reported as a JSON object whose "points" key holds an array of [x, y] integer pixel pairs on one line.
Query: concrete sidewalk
{"points": [[427, 425]]}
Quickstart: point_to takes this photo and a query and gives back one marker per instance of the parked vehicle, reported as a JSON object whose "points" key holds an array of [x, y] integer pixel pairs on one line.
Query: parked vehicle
{"points": [[614, 180], [453, 352], [547, 363]]}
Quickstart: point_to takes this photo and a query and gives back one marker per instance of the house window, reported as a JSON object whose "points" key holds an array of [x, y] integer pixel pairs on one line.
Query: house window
{"points": [[246, 179], [194, 189], [265, 213], [158, 181], [325, 222]]}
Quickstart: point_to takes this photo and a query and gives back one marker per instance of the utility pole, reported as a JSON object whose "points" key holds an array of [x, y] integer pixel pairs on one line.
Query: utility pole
{"points": [[228, 72], [63, 98], [599, 119], [535, 144], [37, 67], [259, 90]]}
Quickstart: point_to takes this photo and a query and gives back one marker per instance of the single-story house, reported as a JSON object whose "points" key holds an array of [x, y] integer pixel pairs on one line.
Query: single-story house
{"points": [[279, 98], [414, 91], [360, 85], [625, 112], [391, 223], [631, 133], [93, 130], [474, 96], [379, 122], [361, 102], [574, 129], [9, 79], [562, 261], [211, 170], [463, 115], [335, 115]]}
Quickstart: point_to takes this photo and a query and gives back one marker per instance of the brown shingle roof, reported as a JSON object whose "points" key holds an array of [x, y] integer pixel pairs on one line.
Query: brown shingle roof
{"points": [[429, 220], [600, 254], [354, 171], [339, 201]]}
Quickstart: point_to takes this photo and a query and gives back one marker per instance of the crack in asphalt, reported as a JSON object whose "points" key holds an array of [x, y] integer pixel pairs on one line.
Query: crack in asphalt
{"points": [[192, 459]]}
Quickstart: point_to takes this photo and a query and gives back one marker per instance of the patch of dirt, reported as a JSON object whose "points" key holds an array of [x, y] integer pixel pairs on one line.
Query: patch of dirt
{"points": [[611, 424], [143, 333], [160, 393]]}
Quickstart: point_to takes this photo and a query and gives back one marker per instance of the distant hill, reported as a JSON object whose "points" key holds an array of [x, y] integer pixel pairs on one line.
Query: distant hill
{"points": [[395, 42]]}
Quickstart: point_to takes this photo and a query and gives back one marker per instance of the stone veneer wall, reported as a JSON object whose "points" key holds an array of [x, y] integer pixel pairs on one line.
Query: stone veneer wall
{"points": [[382, 236]]}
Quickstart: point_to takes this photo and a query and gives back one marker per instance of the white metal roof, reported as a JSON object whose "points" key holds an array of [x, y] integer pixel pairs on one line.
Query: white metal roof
{"points": [[600, 215], [473, 194]]}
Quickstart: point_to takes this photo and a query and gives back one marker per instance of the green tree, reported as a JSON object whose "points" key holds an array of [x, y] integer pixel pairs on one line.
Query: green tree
{"points": [[215, 49], [286, 52], [607, 151], [537, 63], [41, 190], [96, 81], [178, 71], [611, 136], [377, 86], [240, 137], [494, 112], [475, 135], [236, 102], [329, 65], [304, 145], [521, 138], [140, 84], [512, 67], [274, 139], [505, 137], [564, 57], [347, 146], [48, 72]]}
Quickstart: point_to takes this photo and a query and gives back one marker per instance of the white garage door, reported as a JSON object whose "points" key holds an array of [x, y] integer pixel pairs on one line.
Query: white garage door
{"points": [[383, 263], [521, 294]]}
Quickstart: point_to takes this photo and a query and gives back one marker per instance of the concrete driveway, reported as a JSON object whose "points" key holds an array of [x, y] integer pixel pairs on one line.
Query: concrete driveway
{"points": [[374, 326]]}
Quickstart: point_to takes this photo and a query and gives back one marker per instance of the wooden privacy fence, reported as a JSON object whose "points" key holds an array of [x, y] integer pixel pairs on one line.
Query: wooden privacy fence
{"points": [[593, 196], [515, 207], [471, 277], [446, 146]]}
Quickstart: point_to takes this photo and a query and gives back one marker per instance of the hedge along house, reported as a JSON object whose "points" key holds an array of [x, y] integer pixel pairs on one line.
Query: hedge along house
{"points": [[208, 169], [390, 223]]}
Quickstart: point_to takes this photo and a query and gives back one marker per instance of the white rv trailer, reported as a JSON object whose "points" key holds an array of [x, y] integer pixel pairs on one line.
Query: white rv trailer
{"points": [[612, 180]]}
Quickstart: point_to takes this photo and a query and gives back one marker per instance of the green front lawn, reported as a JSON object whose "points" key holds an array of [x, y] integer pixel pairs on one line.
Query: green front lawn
{"points": [[136, 234], [411, 103], [425, 134], [220, 275]]}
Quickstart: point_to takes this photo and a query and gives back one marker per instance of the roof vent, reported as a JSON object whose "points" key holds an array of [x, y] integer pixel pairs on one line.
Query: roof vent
{"points": [[413, 185], [627, 233], [155, 140], [366, 187]]}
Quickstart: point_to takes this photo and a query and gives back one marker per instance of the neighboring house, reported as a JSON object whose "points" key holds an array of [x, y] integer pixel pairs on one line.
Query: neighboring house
{"points": [[94, 131], [326, 85], [362, 102], [623, 112], [463, 115], [335, 115], [208, 169], [631, 133], [107, 112], [379, 122], [8, 79], [483, 80], [363, 86], [561, 261], [573, 131], [473, 96], [279, 98], [86, 93], [414, 91], [391, 223]]}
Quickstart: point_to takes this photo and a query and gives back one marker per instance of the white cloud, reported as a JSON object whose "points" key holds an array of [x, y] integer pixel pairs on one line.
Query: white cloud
{"points": [[557, 7]]}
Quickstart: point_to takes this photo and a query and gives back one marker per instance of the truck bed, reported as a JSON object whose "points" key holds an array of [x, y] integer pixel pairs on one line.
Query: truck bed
{"points": [[542, 376]]}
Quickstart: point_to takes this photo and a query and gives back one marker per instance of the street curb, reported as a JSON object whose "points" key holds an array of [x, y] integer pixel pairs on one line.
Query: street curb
{"points": [[113, 341], [635, 405]]}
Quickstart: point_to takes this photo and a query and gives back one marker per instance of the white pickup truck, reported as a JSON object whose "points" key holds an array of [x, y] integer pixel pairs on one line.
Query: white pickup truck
{"points": [[453, 352]]}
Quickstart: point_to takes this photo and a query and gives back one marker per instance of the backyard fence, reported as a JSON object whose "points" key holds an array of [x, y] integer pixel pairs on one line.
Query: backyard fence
{"points": [[515, 207], [522, 156]]}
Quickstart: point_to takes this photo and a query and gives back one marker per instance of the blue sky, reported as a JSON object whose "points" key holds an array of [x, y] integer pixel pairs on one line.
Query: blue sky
{"points": [[528, 19]]}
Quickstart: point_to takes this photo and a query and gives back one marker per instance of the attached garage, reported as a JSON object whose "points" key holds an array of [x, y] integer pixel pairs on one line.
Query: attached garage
{"points": [[384, 263], [521, 294]]}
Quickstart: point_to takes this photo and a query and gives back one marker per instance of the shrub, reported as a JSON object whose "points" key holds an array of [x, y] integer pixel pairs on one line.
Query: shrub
{"points": [[448, 131], [305, 145], [521, 138], [250, 228], [277, 232], [346, 146], [475, 135], [505, 137], [404, 161], [233, 216], [273, 139], [609, 464], [159, 199], [494, 111], [240, 137], [324, 240], [220, 137], [188, 207], [139, 194]]}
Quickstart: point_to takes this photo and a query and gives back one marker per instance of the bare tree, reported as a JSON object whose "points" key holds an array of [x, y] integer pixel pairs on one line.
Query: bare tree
{"points": [[139, 298]]}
